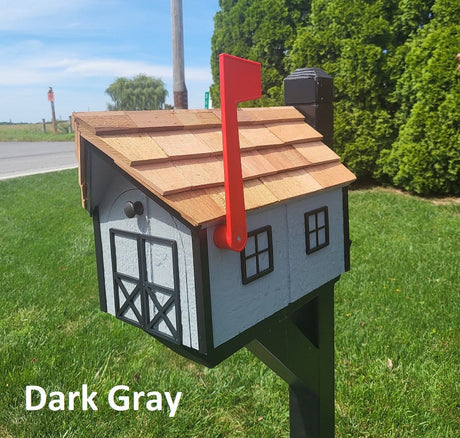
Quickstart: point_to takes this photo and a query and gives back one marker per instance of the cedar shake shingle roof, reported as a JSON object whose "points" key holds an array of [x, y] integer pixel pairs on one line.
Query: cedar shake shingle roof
{"points": [[177, 155]]}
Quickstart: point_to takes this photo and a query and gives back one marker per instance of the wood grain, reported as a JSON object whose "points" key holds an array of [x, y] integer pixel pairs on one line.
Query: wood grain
{"points": [[177, 155]]}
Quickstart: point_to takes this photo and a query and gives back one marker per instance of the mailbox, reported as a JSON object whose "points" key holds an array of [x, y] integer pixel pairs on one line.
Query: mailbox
{"points": [[155, 186]]}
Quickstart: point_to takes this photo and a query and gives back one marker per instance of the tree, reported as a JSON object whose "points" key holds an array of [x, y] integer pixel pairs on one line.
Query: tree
{"points": [[425, 157], [260, 30], [140, 93], [358, 43], [397, 110]]}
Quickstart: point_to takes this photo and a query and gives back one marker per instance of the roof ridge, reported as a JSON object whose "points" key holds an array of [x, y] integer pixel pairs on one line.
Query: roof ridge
{"points": [[136, 122]]}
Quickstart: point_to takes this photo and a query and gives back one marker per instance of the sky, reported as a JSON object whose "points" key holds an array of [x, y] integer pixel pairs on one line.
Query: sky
{"points": [[79, 47]]}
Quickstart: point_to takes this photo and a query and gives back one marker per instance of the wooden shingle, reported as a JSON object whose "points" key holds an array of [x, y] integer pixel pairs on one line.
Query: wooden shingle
{"points": [[198, 206], [198, 118], [257, 195], [137, 148], [316, 152], [291, 184], [177, 156], [253, 164], [284, 158], [294, 132], [255, 137], [164, 177], [201, 173], [331, 174], [212, 138], [154, 120], [183, 144]]}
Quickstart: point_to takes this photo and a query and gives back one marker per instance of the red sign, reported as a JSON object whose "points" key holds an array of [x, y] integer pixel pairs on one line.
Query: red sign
{"points": [[51, 95]]}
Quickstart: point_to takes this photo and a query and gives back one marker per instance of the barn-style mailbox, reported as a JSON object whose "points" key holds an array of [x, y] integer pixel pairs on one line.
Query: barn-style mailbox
{"points": [[154, 183], [219, 229]]}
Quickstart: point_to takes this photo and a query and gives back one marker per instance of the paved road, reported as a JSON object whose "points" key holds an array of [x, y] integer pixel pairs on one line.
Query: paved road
{"points": [[20, 159]]}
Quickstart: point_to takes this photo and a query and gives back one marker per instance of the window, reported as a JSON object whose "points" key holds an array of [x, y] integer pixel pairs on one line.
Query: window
{"points": [[316, 229], [257, 256]]}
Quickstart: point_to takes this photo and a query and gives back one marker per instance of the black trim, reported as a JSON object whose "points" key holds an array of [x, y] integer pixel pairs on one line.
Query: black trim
{"points": [[86, 157], [146, 290], [246, 257], [309, 246], [203, 291], [99, 261], [346, 229]]}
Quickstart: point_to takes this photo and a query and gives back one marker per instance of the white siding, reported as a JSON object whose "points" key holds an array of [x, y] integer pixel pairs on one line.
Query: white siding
{"points": [[310, 271], [237, 307], [155, 222]]}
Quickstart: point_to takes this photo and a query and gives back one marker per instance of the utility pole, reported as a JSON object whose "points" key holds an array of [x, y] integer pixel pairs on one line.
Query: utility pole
{"points": [[179, 88]]}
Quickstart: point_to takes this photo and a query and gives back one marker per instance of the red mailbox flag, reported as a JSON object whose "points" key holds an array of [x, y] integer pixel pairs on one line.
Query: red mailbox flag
{"points": [[240, 80]]}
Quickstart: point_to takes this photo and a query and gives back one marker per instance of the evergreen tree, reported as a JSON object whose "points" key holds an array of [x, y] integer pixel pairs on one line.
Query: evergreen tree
{"points": [[358, 44], [260, 30], [396, 90], [426, 156], [140, 93]]}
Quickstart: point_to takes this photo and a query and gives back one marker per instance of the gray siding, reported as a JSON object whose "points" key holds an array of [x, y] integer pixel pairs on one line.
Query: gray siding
{"points": [[155, 222], [237, 307]]}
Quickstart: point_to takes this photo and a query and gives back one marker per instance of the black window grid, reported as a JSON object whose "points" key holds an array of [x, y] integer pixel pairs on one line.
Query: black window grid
{"points": [[316, 236], [259, 250]]}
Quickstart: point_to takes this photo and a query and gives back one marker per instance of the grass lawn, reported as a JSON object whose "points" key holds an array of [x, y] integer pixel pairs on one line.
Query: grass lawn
{"points": [[397, 330], [34, 132]]}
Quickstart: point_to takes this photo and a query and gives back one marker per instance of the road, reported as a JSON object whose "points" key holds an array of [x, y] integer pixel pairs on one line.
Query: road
{"points": [[28, 158]]}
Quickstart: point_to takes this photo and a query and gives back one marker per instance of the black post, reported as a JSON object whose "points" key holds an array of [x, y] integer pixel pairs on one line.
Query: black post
{"points": [[310, 90], [300, 349]]}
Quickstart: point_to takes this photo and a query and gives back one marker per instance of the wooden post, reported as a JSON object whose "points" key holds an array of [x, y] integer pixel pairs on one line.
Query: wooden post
{"points": [[70, 125], [53, 118], [44, 126], [179, 88], [53, 114]]}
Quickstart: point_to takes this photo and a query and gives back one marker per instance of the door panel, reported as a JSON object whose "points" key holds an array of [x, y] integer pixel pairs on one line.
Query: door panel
{"points": [[146, 282]]}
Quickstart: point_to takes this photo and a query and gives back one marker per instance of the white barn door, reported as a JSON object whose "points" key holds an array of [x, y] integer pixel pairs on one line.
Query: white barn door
{"points": [[146, 282]]}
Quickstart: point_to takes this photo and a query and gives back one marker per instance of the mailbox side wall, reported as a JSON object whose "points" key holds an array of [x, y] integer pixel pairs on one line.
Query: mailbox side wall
{"points": [[156, 221], [237, 307]]}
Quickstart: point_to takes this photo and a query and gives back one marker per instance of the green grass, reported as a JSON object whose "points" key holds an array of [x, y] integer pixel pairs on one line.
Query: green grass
{"points": [[397, 330], [398, 319], [34, 132]]}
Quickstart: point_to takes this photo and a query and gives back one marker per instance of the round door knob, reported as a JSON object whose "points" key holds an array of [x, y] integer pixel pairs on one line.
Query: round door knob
{"points": [[133, 208]]}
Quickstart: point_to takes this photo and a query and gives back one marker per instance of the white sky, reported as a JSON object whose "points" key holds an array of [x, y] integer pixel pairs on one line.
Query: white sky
{"points": [[80, 47]]}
